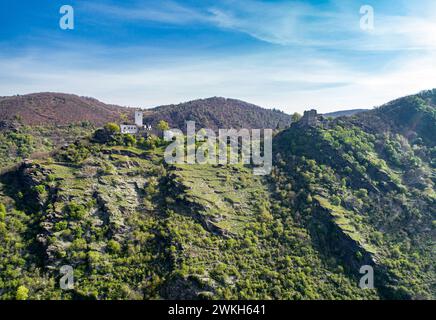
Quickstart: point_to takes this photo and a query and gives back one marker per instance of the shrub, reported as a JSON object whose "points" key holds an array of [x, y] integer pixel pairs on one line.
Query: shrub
{"points": [[265, 215], [129, 140], [75, 153], [309, 199], [76, 211], [2, 212], [22, 293], [79, 244], [61, 225], [113, 246], [150, 143], [336, 201], [40, 189], [3, 230], [362, 193]]}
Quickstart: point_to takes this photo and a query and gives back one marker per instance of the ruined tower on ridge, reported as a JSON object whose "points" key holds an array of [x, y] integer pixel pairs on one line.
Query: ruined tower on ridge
{"points": [[309, 119]]}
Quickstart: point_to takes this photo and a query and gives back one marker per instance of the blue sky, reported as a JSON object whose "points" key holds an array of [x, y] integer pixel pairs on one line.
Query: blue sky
{"points": [[290, 55]]}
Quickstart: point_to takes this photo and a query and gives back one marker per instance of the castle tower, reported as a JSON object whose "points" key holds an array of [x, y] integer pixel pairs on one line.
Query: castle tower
{"points": [[310, 119], [138, 119]]}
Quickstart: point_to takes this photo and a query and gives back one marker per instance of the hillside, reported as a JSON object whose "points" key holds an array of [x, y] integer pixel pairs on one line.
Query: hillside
{"points": [[66, 109], [343, 193], [217, 113], [413, 117], [21, 142], [35, 124], [57, 109], [151, 230], [344, 113], [367, 198]]}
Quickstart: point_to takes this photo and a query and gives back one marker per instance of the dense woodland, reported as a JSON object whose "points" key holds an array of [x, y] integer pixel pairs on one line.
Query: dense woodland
{"points": [[215, 113]]}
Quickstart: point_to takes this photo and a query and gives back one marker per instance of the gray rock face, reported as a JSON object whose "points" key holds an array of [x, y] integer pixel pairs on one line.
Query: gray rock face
{"points": [[8, 125]]}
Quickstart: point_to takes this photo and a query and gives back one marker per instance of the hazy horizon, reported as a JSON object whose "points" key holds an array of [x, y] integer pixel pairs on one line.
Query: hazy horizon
{"points": [[182, 102]]}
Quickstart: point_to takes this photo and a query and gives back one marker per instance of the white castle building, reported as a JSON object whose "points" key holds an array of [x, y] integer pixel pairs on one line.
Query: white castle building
{"points": [[128, 128], [138, 126]]}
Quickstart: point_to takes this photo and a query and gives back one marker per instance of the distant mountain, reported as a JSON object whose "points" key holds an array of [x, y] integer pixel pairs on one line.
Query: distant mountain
{"points": [[217, 113], [49, 108], [344, 113], [62, 109]]}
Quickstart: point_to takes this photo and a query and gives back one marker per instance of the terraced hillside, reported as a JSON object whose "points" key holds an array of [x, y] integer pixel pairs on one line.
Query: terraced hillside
{"points": [[134, 228], [343, 194], [367, 198]]}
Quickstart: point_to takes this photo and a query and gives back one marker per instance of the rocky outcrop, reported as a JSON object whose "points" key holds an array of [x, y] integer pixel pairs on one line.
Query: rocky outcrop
{"points": [[352, 253], [9, 125], [339, 243], [195, 209], [178, 287]]}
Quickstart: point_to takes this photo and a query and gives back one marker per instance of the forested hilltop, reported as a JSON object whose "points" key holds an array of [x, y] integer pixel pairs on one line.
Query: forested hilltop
{"points": [[50, 108], [343, 193]]}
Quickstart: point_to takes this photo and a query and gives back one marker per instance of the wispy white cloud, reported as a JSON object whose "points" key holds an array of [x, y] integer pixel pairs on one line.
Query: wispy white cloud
{"points": [[155, 11], [291, 82], [404, 32], [293, 22], [303, 24], [318, 58]]}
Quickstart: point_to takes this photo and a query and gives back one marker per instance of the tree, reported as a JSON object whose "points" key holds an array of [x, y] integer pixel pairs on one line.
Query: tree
{"points": [[2, 212], [113, 246], [163, 125], [22, 293], [112, 127], [296, 117], [124, 118], [150, 143], [129, 140], [309, 199]]}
